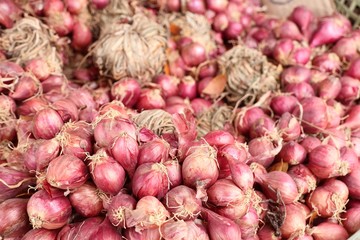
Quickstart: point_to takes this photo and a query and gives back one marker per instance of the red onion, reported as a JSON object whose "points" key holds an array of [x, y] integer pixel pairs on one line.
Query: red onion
{"points": [[49, 212], [199, 105], [351, 219], [150, 179], [187, 88], [168, 85], [249, 224], [224, 193], [86, 201], [288, 29], [125, 150], [38, 67], [41, 234], [246, 117], [289, 127], [283, 103], [292, 153], [150, 98], [75, 7], [174, 172], [231, 153], [119, 204], [295, 219], [196, 6], [200, 169], [9, 12], [40, 153], [62, 22], [350, 90], [300, 90], [46, 124], [352, 181], [329, 88], [182, 203], [177, 67], [66, 109], [355, 142], [106, 231], [310, 142], [302, 16], [16, 222], [217, 5], [218, 138], [85, 229], [233, 30], [349, 159], [295, 74], [279, 183], [100, 4], [303, 177], [220, 227], [312, 114], [26, 87], [193, 54], [283, 50], [262, 127], [263, 151], [327, 62], [331, 28], [107, 174], [74, 172], [84, 100], [127, 90], [81, 36], [148, 234], [53, 82], [353, 71], [325, 162], [266, 232], [329, 199], [53, 6], [13, 182], [347, 48], [260, 34], [242, 175], [149, 213], [221, 22], [108, 128], [154, 151], [329, 231]]}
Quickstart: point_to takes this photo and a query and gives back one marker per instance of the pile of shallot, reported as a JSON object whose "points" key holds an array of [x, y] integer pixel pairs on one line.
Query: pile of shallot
{"points": [[97, 143]]}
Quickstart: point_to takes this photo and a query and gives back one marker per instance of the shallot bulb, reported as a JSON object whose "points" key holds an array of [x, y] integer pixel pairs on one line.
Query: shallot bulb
{"points": [[48, 211], [200, 168], [295, 219], [119, 204], [86, 200], [46, 124], [351, 220], [329, 231], [329, 199], [107, 174], [279, 183], [303, 177], [150, 179], [73, 174], [149, 213]]}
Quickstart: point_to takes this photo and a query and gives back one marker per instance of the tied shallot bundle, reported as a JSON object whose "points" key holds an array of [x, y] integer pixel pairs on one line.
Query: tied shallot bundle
{"points": [[156, 120], [30, 39], [143, 59], [193, 26], [215, 118], [249, 74]]}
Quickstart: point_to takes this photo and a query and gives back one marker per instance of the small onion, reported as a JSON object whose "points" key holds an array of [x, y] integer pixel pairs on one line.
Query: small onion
{"points": [[263, 151], [351, 220], [66, 109], [40, 234], [125, 150], [154, 151], [85, 229], [107, 174], [276, 182], [295, 219], [283, 103], [200, 169], [220, 227], [149, 213], [150, 98], [266, 232], [16, 222], [193, 54], [310, 142], [289, 127], [246, 117], [174, 172], [295, 74], [46, 124], [242, 175], [40, 153], [150, 179], [49, 212], [262, 127], [86, 201], [73, 174], [249, 224], [352, 181], [127, 90], [329, 199], [182, 203], [31, 106], [329, 231], [26, 87], [174, 230], [224, 193], [292, 153], [303, 177], [119, 204], [218, 138], [168, 85], [148, 234]]}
